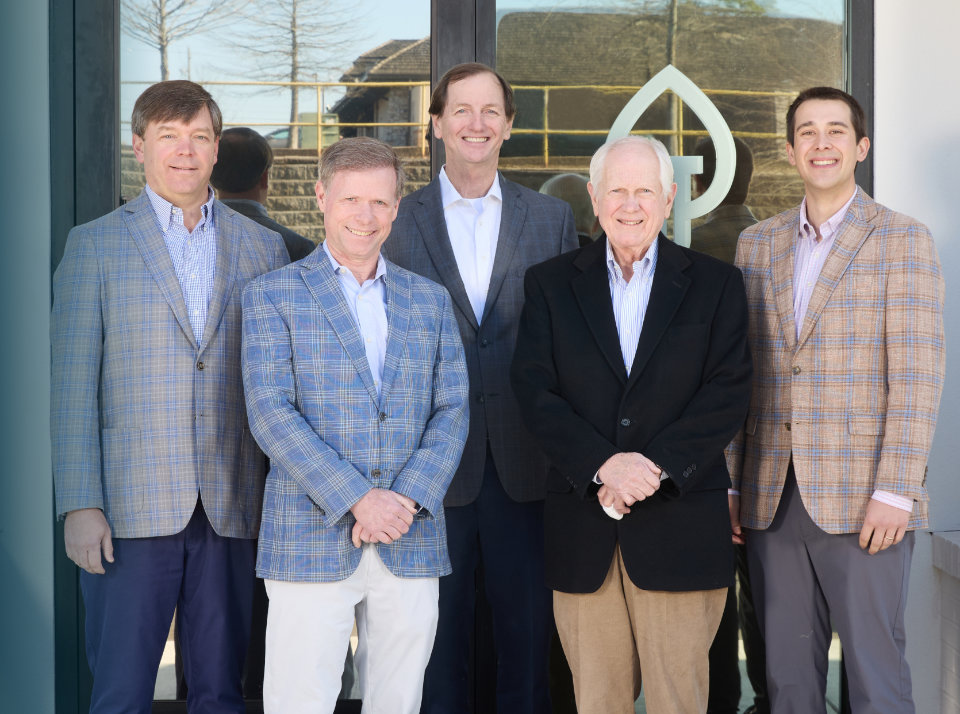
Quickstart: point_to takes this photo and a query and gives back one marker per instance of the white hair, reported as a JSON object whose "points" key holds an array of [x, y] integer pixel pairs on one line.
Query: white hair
{"points": [[663, 157]]}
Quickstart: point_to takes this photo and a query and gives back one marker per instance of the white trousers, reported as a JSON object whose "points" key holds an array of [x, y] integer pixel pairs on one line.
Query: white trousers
{"points": [[308, 632]]}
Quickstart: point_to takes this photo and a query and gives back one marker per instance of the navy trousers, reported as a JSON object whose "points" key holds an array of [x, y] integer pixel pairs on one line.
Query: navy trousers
{"points": [[507, 538], [208, 579]]}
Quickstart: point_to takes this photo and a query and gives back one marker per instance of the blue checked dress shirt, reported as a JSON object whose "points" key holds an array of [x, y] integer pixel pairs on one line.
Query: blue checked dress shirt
{"points": [[194, 255], [630, 299]]}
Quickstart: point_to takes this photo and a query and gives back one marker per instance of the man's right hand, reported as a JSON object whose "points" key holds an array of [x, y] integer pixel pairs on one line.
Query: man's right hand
{"points": [[382, 516], [85, 532], [632, 476]]}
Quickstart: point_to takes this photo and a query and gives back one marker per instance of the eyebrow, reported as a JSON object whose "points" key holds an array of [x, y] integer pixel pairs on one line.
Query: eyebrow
{"points": [[829, 123]]}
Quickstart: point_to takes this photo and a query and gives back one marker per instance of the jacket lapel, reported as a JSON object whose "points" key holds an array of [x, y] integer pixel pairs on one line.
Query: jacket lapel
{"points": [[398, 319], [224, 275], [592, 291], [782, 253], [513, 214], [433, 227], [851, 234], [666, 294], [322, 282], [141, 221]]}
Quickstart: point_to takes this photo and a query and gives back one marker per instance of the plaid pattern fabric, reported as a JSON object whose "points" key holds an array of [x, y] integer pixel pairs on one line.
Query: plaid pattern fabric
{"points": [[138, 428], [315, 411], [855, 398]]}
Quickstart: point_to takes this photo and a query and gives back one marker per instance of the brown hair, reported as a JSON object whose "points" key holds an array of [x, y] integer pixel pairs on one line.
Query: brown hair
{"points": [[359, 153], [438, 99], [176, 99], [856, 111], [243, 157]]}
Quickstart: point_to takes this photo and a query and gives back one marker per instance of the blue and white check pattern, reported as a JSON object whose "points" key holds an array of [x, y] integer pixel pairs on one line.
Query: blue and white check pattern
{"points": [[630, 300], [194, 254]]}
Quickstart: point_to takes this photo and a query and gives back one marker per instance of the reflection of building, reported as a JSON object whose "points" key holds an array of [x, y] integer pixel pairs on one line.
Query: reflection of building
{"points": [[393, 61]]}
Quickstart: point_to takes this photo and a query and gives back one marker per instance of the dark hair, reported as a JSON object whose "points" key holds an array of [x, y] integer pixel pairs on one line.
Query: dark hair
{"points": [[243, 157], [359, 153], [176, 99], [438, 100], [741, 175], [857, 116]]}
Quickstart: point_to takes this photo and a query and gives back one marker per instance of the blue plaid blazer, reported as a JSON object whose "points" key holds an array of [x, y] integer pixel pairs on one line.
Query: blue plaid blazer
{"points": [[142, 417], [315, 411], [854, 400]]}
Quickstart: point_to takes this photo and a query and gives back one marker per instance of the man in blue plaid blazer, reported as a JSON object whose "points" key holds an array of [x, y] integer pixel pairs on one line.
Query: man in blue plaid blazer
{"points": [[157, 475], [357, 391]]}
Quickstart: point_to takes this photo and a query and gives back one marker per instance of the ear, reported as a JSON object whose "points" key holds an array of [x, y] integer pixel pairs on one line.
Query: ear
{"points": [[321, 195], [790, 155], [137, 142], [264, 182], [863, 148], [670, 198], [435, 121], [593, 199], [506, 134]]}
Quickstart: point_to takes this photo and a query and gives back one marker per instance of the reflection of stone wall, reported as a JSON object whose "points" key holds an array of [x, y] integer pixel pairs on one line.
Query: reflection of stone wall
{"points": [[394, 107]]}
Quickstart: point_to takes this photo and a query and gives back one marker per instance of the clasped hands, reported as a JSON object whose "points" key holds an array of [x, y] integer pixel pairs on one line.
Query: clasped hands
{"points": [[627, 478], [382, 516]]}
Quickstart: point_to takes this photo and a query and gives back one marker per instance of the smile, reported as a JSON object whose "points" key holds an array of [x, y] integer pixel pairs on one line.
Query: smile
{"points": [[362, 234], [631, 223], [824, 162], [476, 139]]}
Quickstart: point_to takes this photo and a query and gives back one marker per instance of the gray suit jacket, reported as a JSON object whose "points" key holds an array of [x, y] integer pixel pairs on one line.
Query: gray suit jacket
{"points": [[141, 416], [297, 245], [533, 228]]}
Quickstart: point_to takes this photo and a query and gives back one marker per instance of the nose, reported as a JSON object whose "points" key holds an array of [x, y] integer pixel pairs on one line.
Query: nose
{"points": [[476, 121], [823, 140]]}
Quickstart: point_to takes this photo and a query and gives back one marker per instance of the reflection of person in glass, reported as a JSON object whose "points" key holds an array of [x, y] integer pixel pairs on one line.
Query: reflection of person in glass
{"points": [[572, 188], [718, 237], [476, 233], [638, 547], [357, 391], [160, 481], [846, 329]]}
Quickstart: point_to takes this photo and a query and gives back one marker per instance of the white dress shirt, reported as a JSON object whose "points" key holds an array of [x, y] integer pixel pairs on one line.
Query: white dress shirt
{"points": [[473, 225]]}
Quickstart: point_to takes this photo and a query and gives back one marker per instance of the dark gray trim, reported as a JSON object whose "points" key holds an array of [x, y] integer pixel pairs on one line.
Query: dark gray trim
{"points": [[859, 60]]}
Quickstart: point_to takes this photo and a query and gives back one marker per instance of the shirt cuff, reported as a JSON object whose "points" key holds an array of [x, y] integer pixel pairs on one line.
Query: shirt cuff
{"points": [[596, 478], [732, 492], [892, 499]]}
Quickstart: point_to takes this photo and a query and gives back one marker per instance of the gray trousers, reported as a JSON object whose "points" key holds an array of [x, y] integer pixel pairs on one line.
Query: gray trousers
{"points": [[805, 580]]}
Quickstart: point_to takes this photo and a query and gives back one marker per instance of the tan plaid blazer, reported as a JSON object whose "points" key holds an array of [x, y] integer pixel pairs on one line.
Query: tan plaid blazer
{"points": [[855, 399]]}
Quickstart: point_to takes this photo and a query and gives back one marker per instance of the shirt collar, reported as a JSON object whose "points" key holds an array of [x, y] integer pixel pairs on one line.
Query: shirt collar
{"points": [[643, 267], [449, 195], [343, 270], [829, 226], [165, 210]]}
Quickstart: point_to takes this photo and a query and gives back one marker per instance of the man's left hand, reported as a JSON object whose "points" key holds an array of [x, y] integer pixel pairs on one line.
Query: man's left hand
{"points": [[883, 526]]}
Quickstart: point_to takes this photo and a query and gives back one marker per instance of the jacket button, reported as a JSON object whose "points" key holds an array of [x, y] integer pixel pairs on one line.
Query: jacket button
{"points": [[625, 422], [787, 426], [480, 398], [484, 342], [383, 416], [375, 473], [797, 370], [200, 366]]}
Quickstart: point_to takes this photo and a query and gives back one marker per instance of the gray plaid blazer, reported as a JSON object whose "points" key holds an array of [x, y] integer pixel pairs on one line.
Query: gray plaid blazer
{"points": [[533, 228], [142, 417], [314, 409]]}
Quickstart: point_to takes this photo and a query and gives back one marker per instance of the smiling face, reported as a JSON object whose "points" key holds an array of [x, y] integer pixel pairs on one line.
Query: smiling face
{"points": [[473, 124], [824, 148], [358, 208], [178, 158], [630, 202]]}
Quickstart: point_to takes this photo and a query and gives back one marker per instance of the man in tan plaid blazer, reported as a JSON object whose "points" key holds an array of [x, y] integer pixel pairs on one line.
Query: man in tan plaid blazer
{"points": [[845, 299]]}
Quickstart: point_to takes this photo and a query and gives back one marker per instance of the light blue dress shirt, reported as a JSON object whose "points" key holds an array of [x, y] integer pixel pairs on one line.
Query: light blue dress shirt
{"points": [[630, 299]]}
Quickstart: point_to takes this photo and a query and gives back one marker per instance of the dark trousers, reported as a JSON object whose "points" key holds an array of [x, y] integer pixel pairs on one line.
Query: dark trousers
{"points": [[507, 537], [739, 617], [208, 579]]}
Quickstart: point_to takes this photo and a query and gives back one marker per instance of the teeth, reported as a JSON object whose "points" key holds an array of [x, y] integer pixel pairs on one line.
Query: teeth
{"points": [[631, 223], [475, 139], [362, 234], [823, 162]]}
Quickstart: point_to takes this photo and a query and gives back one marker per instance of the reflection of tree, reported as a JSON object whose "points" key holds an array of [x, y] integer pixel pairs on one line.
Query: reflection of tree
{"points": [[294, 40], [158, 23]]}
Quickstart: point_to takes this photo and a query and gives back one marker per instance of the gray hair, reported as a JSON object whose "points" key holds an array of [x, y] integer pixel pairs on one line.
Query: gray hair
{"points": [[360, 153], [663, 157]]}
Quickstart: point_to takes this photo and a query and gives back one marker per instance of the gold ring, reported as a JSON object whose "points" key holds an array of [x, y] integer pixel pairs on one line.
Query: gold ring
{"points": [[888, 539]]}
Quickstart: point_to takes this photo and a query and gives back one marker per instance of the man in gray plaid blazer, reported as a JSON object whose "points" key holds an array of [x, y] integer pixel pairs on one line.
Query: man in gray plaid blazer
{"points": [[845, 301], [357, 391], [157, 475]]}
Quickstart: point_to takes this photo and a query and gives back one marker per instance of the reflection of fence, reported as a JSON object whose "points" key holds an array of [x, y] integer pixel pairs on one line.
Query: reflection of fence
{"points": [[421, 120]]}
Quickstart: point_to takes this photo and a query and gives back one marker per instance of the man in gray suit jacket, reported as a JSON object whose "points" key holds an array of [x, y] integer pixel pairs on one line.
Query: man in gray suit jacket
{"points": [[157, 475], [242, 179], [476, 233]]}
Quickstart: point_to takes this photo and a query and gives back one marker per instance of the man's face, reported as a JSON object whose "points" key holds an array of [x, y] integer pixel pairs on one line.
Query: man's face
{"points": [[178, 158], [358, 208], [629, 200], [474, 123], [825, 149]]}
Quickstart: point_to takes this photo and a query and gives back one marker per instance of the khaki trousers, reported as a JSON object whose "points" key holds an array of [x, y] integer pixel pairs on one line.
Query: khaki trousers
{"points": [[614, 635]]}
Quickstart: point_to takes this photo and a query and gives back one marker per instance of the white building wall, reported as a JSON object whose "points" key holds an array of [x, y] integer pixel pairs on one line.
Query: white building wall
{"points": [[917, 163]]}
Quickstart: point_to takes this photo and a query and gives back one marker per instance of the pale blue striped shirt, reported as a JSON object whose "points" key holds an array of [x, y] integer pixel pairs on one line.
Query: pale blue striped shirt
{"points": [[194, 255], [630, 299], [368, 305]]}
